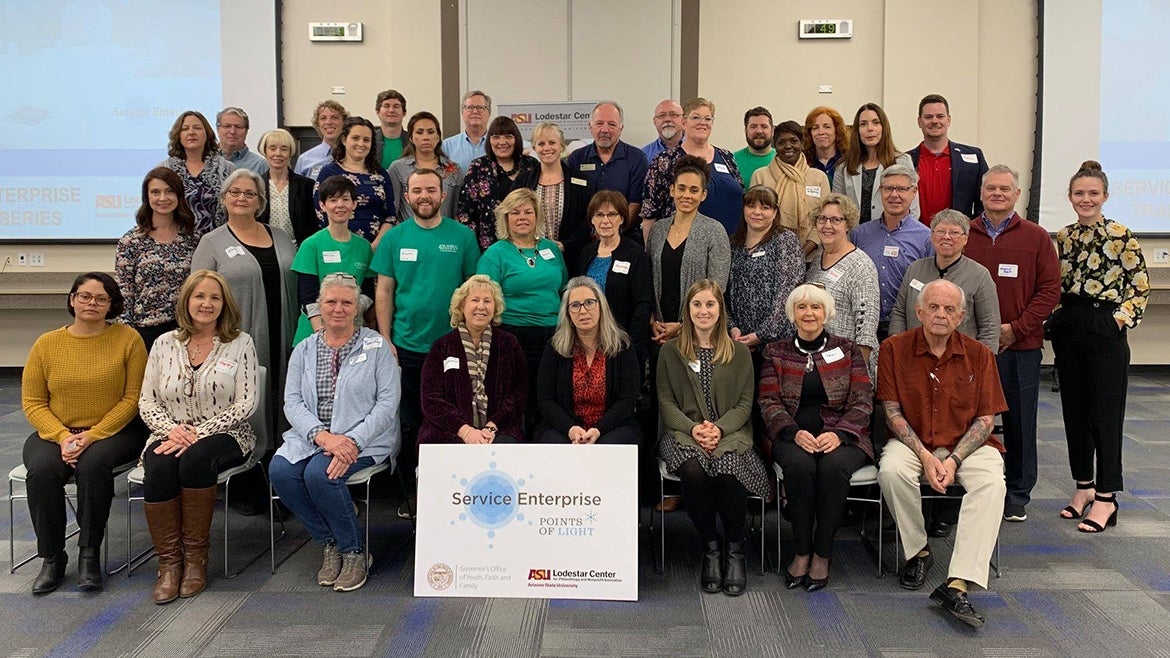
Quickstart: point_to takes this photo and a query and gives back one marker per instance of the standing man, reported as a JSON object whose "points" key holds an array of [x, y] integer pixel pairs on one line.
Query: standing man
{"points": [[668, 123], [328, 119], [757, 130], [391, 108], [941, 392], [1026, 270], [231, 124], [951, 173], [609, 163], [476, 110], [420, 262]]}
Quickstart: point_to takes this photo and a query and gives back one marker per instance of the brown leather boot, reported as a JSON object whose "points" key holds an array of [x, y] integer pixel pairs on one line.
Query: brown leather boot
{"points": [[198, 507], [164, 520]]}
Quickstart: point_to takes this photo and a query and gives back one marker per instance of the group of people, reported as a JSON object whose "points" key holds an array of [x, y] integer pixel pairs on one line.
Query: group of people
{"points": [[815, 302]]}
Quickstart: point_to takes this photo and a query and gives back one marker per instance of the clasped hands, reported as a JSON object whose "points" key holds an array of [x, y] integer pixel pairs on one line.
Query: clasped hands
{"points": [[469, 434], [72, 447], [826, 442], [707, 435], [181, 437], [939, 473], [341, 448], [660, 332], [581, 436]]}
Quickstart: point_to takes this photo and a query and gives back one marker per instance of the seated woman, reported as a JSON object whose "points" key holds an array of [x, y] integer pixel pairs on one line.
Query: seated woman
{"points": [[342, 402], [474, 381], [589, 375], [79, 391], [816, 397], [199, 391], [705, 390]]}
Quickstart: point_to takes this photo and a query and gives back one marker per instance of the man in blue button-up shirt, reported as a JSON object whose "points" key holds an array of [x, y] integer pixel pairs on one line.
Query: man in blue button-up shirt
{"points": [[609, 163], [468, 145]]}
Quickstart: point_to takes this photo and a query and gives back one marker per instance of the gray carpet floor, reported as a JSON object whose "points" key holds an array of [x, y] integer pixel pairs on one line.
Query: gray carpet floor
{"points": [[1061, 593]]}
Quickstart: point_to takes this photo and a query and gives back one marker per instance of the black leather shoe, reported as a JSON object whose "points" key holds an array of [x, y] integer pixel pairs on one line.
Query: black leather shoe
{"points": [[792, 582], [735, 579], [955, 602], [89, 570], [939, 529], [914, 572], [711, 576], [51, 575]]}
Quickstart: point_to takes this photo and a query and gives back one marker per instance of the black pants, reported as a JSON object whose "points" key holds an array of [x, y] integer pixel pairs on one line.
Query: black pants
{"points": [[94, 473], [532, 341], [197, 468], [816, 486], [151, 334], [706, 496], [1092, 360], [621, 435], [410, 411]]}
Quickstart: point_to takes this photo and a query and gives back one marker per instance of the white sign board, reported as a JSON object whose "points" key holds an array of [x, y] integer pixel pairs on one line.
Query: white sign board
{"points": [[572, 117], [527, 521]]}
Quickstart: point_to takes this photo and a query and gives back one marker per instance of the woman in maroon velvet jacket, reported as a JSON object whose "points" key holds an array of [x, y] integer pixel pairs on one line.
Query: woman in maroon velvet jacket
{"points": [[474, 381], [815, 397]]}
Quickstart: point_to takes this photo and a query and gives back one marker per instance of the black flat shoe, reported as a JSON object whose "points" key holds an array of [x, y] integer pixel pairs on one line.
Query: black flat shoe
{"points": [[711, 573], [52, 574], [939, 529], [813, 584], [913, 574], [1092, 527], [955, 602], [89, 570], [792, 582]]}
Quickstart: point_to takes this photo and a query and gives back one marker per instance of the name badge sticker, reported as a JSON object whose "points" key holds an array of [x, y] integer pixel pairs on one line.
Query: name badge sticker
{"points": [[813, 191], [226, 366], [358, 359], [331, 256], [450, 363], [722, 168], [588, 166], [917, 285], [759, 254], [371, 343], [546, 253], [578, 181], [408, 255], [833, 355], [621, 266], [890, 251], [234, 251], [970, 157], [694, 366], [834, 275], [1009, 270]]}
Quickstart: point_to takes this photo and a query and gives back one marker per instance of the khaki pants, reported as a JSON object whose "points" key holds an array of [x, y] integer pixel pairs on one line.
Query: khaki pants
{"points": [[981, 475]]}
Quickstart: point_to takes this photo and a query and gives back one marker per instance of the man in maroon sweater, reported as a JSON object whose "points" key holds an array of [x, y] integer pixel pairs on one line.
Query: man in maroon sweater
{"points": [[1023, 263]]}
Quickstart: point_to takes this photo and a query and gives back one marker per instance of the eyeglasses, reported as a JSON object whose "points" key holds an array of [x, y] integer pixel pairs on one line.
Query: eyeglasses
{"points": [[695, 118], [476, 108], [86, 298], [900, 189], [588, 305], [949, 233], [826, 219], [668, 115], [247, 194], [189, 389], [613, 214], [231, 126]]}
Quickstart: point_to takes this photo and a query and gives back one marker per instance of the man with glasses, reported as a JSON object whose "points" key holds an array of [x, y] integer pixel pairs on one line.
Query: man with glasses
{"points": [[668, 124], [231, 124], [476, 110], [951, 172], [609, 163]]}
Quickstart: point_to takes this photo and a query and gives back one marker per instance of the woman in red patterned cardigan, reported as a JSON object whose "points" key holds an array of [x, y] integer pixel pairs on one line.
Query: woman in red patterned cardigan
{"points": [[816, 398]]}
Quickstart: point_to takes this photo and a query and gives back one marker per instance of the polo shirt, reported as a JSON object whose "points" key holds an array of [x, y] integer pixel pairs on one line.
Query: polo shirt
{"points": [[940, 396], [625, 172], [934, 181], [749, 162], [461, 149], [892, 252], [245, 159], [829, 167]]}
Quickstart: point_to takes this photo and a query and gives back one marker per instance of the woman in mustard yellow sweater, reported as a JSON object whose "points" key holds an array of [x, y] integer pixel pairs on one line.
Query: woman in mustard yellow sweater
{"points": [[80, 393]]}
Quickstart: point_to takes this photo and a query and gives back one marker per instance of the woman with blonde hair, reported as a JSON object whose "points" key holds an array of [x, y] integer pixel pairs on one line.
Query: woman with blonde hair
{"points": [[290, 195], [563, 197]]}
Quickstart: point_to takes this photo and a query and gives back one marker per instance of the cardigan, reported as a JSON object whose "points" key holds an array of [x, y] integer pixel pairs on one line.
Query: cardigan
{"points": [[576, 229], [850, 185], [982, 319], [847, 386], [301, 211], [554, 391], [365, 400], [226, 390], [445, 391], [706, 255], [681, 403], [630, 293]]}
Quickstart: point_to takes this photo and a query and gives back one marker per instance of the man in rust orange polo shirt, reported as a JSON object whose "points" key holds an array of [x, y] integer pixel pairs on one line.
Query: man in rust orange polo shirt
{"points": [[941, 391]]}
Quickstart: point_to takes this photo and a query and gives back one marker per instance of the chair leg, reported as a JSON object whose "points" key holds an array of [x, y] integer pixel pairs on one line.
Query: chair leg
{"points": [[11, 531], [763, 553], [661, 566], [779, 522]]}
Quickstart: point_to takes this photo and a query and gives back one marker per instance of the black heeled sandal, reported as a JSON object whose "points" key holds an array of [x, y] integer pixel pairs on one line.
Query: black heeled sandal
{"points": [[1072, 512], [1112, 521]]}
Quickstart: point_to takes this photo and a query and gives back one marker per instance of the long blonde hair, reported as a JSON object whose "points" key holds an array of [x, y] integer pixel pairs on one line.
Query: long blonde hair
{"points": [[227, 325], [611, 338], [720, 338]]}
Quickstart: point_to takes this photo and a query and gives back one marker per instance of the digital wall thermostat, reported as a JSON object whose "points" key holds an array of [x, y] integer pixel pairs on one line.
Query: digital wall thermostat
{"points": [[837, 28], [335, 31]]}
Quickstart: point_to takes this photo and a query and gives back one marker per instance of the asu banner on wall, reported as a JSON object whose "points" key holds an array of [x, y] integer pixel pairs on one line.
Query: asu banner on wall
{"points": [[527, 521]]}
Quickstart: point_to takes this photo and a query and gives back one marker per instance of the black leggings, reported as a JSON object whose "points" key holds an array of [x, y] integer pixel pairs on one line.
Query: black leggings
{"points": [[197, 468], [94, 473], [816, 486], [705, 496]]}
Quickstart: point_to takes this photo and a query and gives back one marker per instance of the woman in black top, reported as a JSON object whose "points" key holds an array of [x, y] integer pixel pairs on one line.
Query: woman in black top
{"points": [[563, 197], [290, 195]]}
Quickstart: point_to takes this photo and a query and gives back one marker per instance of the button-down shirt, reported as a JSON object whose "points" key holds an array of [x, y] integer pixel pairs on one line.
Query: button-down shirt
{"points": [[892, 252], [625, 172], [311, 161], [654, 148], [993, 231], [462, 150], [245, 159], [934, 181]]}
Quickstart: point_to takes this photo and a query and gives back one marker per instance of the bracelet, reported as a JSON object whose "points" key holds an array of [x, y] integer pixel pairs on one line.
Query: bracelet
{"points": [[958, 460]]}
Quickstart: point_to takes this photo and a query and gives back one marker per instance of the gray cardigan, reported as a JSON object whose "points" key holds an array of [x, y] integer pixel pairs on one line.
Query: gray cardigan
{"points": [[219, 250], [982, 319], [707, 255], [850, 186]]}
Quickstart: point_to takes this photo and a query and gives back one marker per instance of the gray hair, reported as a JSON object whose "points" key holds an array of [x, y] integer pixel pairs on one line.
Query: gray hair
{"points": [[808, 292], [339, 280], [250, 175], [1001, 169], [236, 111], [476, 92], [953, 217], [621, 112], [942, 283], [900, 170], [611, 338]]}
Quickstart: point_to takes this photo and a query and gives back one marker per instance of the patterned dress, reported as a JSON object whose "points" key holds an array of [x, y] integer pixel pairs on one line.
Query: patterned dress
{"points": [[375, 199], [202, 191], [761, 280], [484, 187], [150, 274]]}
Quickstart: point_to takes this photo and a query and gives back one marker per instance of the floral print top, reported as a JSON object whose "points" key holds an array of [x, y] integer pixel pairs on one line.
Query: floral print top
{"points": [[484, 187], [150, 274], [202, 191], [1104, 261], [375, 200]]}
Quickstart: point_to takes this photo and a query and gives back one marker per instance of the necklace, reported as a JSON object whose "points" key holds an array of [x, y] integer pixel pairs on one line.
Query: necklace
{"points": [[531, 260], [196, 350], [808, 366]]}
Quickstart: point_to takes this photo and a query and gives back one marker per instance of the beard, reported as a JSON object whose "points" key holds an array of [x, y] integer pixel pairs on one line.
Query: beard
{"points": [[434, 211], [669, 133]]}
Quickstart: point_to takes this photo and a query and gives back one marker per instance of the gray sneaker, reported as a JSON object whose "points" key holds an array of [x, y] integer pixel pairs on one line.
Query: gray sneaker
{"points": [[353, 572], [330, 566]]}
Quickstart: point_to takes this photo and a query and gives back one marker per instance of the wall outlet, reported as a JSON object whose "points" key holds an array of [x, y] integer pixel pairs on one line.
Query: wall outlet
{"points": [[36, 260], [1162, 255], [22, 260]]}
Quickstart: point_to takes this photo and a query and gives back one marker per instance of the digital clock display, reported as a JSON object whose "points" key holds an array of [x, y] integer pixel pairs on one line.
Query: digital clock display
{"points": [[821, 28], [323, 31]]}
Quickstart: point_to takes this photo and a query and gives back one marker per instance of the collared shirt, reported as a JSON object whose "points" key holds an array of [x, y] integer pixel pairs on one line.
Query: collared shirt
{"points": [[934, 181], [654, 148], [940, 396], [625, 172], [462, 150], [245, 159], [329, 363], [993, 231], [892, 252], [311, 161]]}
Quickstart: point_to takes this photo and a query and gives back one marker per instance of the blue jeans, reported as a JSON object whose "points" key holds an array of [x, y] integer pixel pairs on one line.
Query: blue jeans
{"points": [[1019, 374], [324, 506]]}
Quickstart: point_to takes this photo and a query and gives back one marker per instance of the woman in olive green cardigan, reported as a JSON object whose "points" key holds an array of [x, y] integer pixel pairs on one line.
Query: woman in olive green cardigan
{"points": [[705, 390]]}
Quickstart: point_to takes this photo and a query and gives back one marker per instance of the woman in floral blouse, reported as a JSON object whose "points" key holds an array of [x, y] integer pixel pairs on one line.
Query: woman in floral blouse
{"points": [[353, 157], [193, 154], [491, 177], [1104, 289]]}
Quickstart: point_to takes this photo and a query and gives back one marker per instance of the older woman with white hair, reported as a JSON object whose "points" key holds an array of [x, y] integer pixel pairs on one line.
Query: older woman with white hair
{"points": [[290, 195], [342, 402], [816, 398], [589, 375]]}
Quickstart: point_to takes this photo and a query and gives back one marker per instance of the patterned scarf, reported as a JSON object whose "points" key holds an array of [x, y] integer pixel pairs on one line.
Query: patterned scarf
{"points": [[477, 364]]}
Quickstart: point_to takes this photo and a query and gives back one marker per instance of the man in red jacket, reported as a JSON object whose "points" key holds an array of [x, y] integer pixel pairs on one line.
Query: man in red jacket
{"points": [[1023, 263]]}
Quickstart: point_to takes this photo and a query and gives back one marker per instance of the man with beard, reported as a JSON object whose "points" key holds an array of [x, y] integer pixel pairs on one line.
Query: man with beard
{"points": [[419, 263], [609, 163], [757, 130], [668, 123]]}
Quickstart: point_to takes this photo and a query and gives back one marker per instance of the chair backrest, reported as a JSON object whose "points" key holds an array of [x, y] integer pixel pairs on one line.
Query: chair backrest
{"points": [[261, 420]]}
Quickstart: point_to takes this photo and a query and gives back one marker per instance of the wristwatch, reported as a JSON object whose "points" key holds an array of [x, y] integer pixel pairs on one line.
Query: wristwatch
{"points": [[958, 460]]}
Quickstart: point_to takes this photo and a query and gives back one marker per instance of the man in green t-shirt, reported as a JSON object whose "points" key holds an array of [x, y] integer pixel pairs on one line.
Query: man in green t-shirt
{"points": [[391, 109], [419, 263], [757, 130]]}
